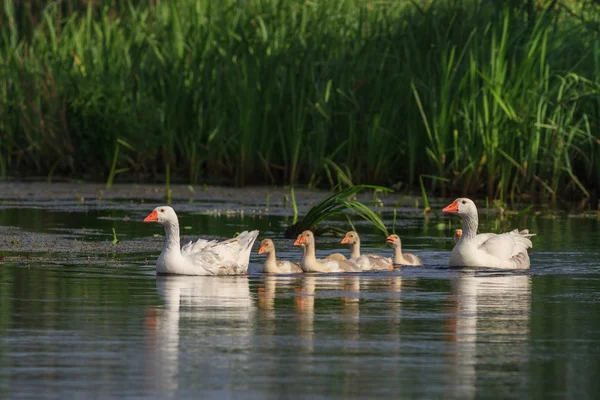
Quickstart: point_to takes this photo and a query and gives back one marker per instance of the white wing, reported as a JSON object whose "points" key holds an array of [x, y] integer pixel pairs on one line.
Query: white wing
{"points": [[226, 256], [507, 245]]}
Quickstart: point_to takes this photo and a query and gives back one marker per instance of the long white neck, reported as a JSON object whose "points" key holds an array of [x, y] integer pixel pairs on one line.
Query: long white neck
{"points": [[172, 236], [398, 253], [470, 223], [355, 249]]}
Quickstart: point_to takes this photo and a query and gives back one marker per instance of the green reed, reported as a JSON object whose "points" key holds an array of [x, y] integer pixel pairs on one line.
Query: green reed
{"points": [[495, 99]]}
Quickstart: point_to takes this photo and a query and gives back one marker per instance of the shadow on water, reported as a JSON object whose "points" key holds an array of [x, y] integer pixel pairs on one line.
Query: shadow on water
{"points": [[80, 315]]}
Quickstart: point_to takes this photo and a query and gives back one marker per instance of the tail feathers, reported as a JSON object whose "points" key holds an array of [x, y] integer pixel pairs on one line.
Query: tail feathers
{"points": [[246, 240], [522, 237], [525, 233], [521, 260]]}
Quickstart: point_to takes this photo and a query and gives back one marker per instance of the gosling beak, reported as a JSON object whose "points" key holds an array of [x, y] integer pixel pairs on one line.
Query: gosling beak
{"points": [[345, 240], [261, 250], [300, 241], [457, 234], [452, 208], [153, 217]]}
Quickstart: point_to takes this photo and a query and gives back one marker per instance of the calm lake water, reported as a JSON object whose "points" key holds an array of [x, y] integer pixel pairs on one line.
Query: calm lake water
{"points": [[81, 317]]}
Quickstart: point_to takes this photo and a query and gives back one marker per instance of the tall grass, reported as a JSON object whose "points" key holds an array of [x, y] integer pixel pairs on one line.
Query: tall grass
{"points": [[498, 99]]}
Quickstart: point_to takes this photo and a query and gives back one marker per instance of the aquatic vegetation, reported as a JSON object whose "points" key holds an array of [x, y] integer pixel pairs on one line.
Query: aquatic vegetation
{"points": [[294, 206], [115, 240], [113, 169], [498, 98], [336, 204]]}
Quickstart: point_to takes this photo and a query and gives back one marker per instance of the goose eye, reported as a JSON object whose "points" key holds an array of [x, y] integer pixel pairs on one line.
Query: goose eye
{"points": [[464, 202], [162, 210]]}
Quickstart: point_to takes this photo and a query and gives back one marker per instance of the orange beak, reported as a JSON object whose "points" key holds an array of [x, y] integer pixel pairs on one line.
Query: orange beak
{"points": [[153, 217], [389, 239], [261, 250], [452, 208], [345, 240], [301, 240]]}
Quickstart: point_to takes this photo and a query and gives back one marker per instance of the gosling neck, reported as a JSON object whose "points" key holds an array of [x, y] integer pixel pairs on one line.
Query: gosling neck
{"points": [[271, 262], [309, 251], [355, 249], [398, 253]]}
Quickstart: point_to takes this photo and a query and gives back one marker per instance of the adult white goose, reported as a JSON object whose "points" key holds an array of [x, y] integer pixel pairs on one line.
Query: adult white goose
{"points": [[367, 262], [272, 264], [502, 251], [310, 263], [203, 257], [401, 258]]}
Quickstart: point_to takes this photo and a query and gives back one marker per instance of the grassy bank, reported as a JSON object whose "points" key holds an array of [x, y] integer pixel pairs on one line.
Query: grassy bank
{"points": [[499, 100]]}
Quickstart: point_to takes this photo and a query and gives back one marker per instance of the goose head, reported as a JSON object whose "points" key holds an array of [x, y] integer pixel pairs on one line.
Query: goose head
{"points": [[393, 240], [461, 206], [266, 246], [162, 215], [350, 238], [304, 239]]}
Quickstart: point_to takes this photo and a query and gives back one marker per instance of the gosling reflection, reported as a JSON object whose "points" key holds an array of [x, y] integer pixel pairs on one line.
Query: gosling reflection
{"points": [[487, 309], [394, 303], [267, 293], [266, 296], [304, 304], [350, 306], [196, 307]]}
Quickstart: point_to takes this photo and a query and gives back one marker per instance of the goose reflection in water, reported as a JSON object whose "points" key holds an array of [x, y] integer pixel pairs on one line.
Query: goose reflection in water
{"points": [[207, 316], [491, 314]]}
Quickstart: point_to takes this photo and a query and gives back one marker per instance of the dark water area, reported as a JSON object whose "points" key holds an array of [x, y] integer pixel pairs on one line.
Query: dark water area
{"points": [[81, 317]]}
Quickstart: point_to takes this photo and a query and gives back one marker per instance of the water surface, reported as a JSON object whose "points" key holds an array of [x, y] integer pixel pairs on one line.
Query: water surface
{"points": [[81, 317]]}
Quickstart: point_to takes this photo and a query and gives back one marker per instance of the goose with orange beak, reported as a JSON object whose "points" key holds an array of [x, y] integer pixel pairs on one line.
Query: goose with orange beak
{"points": [[500, 251], [202, 257], [367, 262], [272, 264], [401, 259], [310, 263]]}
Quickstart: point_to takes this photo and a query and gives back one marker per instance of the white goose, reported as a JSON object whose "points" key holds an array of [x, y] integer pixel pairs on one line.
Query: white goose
{"points": [[503, 251], [367, 262], [203, 257], [310, 263], [272, 264]]}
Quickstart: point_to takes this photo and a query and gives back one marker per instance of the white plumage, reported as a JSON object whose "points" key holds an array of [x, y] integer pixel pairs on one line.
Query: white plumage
{"points": [[202, 257], [502, 251]]}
